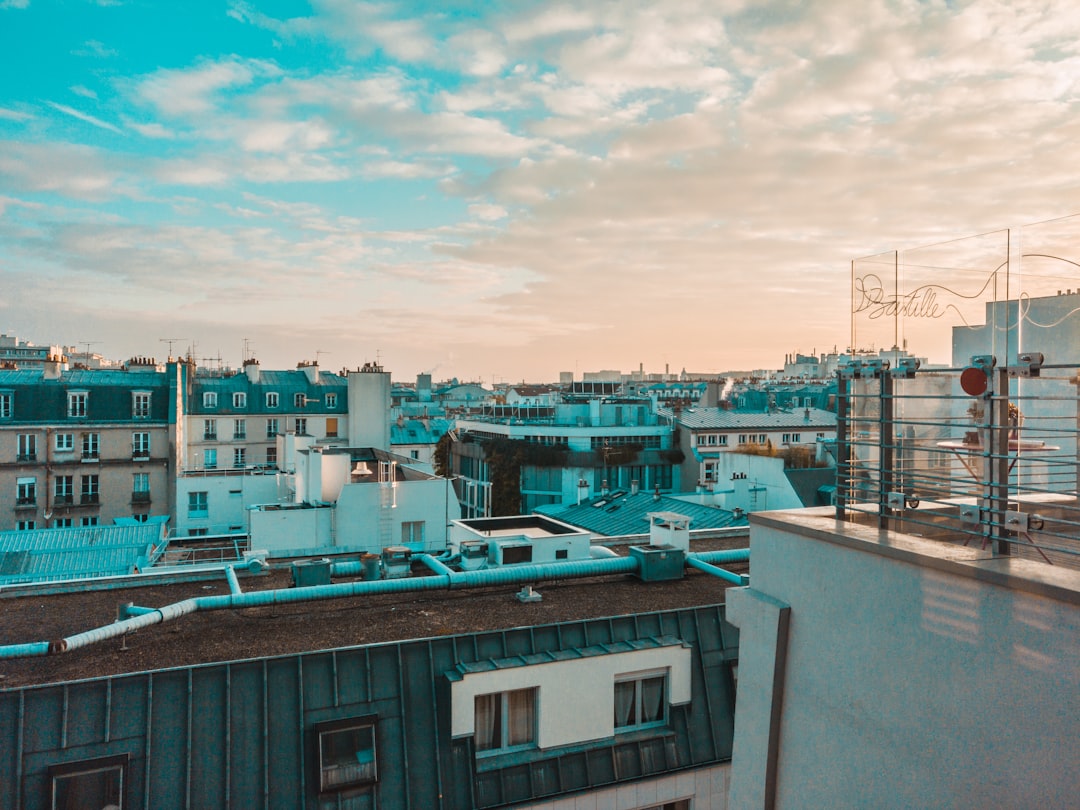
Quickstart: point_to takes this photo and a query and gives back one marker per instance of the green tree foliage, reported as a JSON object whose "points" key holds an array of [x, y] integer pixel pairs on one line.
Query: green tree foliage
{"points": [[505, 458]]}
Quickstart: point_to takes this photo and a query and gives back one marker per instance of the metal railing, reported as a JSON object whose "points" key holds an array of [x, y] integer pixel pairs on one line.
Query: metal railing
{"points": [[984, 456]]}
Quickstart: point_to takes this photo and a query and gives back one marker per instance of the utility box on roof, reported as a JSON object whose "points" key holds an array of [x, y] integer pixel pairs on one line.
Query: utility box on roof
{"points": [[311, 572], [658, 563]]}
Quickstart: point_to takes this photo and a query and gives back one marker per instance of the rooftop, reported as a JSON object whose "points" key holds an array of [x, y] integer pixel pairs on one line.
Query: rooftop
{"points": [[286, 628]]}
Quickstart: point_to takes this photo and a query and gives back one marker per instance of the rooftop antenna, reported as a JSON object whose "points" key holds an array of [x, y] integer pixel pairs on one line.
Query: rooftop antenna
{"points": [[245, 352], [319, 352], [88, 344], [170, 341]]}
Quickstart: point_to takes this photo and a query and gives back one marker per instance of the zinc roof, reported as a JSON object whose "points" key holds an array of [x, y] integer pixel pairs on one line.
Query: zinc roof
{"points": [[722, 419], [40, 555], [621, 513]]}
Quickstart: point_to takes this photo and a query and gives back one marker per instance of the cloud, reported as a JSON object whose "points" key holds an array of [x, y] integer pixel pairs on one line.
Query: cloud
{"points": [[194, 92], [94, 49], [97, 122], [76, 171]]}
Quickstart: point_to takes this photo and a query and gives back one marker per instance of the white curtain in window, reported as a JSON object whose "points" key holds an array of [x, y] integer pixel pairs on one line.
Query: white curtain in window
{"points": [[522, 710], [652, 700], [624, 703], [487, 712]]}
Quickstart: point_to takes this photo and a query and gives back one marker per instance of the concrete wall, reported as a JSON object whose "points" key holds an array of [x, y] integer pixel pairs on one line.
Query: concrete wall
{"points": [[227, 498], [915, 673]]}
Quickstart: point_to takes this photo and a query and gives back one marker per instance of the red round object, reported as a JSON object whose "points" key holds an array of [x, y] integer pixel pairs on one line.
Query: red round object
{"points": [[974, 381]]}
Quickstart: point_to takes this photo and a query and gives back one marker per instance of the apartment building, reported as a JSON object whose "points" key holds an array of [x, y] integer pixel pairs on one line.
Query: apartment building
{"points": [[85, 447]]}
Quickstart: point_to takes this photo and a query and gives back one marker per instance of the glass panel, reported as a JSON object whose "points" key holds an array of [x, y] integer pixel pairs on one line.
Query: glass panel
{"points": [[488, 721], [347, 757], [624, 704], [522, 720]]}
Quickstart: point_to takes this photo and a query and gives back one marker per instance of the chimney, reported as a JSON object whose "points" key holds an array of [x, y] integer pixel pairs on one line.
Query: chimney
{"points": [[311, 371], [634, 486], [251, 368], [52, 367]]}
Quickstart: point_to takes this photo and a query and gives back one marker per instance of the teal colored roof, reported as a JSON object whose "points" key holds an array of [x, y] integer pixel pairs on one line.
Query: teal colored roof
{"points": [[286, 384], [419, 431], [723, 419], [622, 513], [78, 553]]}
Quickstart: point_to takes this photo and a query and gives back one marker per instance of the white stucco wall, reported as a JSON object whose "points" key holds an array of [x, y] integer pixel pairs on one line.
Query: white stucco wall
{"points": [[918, 674], [585, 684]]}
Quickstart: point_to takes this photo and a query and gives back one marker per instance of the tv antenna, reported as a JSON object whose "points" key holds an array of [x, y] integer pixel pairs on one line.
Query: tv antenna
{"points": [[170, 341], [318, 353], [88, 344]]}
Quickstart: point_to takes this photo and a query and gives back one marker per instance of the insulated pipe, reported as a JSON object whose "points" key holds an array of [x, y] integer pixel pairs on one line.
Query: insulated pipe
{"points": [[728, 556], [516, 574], [700, 565], [436, 565], [234, 583]]}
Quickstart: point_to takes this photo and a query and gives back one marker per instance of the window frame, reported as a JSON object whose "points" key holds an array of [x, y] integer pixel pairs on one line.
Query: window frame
{"points": [[140, 404], [272, 427], [65, 446], [7, 404], [63, 489], [272, 399], [209, 399], [198, 504], [78, 404], [210, 433], [90, 489], [331, 400], [26, 491], [300, 428], [636, 711], [27, 447], [239, 458], [91, 446], [84, 767], [501, 736], [239, 430], [140, 444], [239, 399], [324, 731], [210, 458]]}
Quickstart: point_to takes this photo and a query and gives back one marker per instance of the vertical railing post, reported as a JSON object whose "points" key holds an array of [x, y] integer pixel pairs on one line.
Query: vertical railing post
{"points": [[843, 445], [886, 419], [995, 466]]}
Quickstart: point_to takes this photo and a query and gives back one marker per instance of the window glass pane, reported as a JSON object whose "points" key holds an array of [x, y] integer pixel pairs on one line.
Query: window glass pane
{"points": [[522, 716], [488, 722], [347, 756], [652, 700], [624, 704]]}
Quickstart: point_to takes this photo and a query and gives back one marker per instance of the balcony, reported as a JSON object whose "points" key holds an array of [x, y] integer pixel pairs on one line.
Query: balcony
{"points": [[26, 503], [90, 499], [209, 437], [996, 470], [63, 500], [140, 497], [91, 457], [26, 457]]}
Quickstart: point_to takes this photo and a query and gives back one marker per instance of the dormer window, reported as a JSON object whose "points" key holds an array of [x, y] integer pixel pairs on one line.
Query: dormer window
{"points": [[239, 400], [140, 405], [209, 399], [271, 399], [77, 401]]}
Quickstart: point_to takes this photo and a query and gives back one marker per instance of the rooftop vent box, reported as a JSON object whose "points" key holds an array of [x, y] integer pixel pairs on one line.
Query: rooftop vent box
{"points": [[474, 554], [311, 572], [396, 562], [658, 563]]}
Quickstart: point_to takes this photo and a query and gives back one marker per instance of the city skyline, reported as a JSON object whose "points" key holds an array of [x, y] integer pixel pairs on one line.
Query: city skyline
{"points": [[509, 193]]}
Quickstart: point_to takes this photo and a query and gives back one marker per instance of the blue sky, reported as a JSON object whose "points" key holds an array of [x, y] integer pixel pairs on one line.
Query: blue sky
{"points": [[504, 191]]}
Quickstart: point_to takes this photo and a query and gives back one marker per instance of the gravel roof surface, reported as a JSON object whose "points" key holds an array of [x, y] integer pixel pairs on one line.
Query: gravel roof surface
{"points": [[228, 635]]}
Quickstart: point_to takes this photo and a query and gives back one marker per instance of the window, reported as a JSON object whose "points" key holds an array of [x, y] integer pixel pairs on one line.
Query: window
{"points": [[140, 405], [140, 487], [239, 399], [7, 404], [90, 492], [301, 426], [209, 399], [91, 446], [27, 447], [722, 440], [271, 428], [239, 456], [197, 505], [271, 399], [331, 400], [140, 517], [26, 525], [299, 400], [77, 404], [742, 438], [271, 456], [640, 700], [89, 520], [140, 445], [209, 459], [239, 429], [331, 427], [65, 442], [209, 430], [63, 489], [26, 492], [90, 783], [62, 523], [346, 753], [505, 720], [412, 531]]}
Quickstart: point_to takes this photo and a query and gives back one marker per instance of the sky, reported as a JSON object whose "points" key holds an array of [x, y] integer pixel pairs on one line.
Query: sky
{"points": [[503, 191]]}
